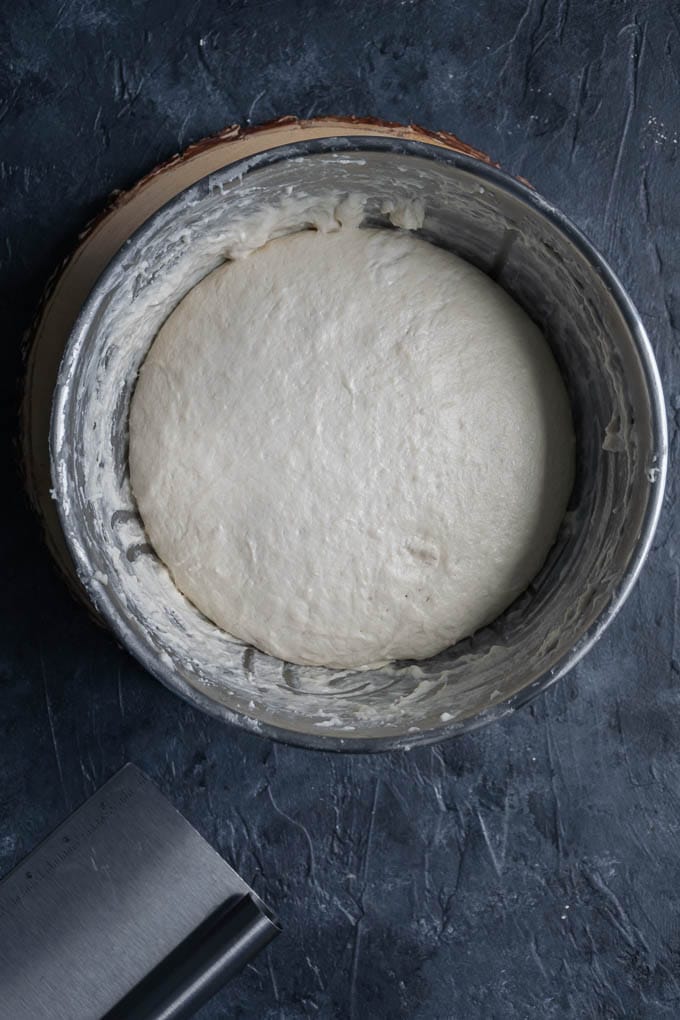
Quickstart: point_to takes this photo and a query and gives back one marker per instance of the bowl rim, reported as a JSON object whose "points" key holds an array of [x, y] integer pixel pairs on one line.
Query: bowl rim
{"points": [[501, 180]]}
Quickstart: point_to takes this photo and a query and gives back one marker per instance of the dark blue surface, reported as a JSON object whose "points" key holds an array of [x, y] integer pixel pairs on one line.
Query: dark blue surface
{"points": [[530, 870]]}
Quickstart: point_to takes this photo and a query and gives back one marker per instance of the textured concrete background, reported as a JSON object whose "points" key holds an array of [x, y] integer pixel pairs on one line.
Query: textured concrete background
{"points": [[531, 870]]}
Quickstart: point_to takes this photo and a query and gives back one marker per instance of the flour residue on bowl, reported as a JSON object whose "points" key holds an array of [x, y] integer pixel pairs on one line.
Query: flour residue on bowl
{"points": [[240, 209]]}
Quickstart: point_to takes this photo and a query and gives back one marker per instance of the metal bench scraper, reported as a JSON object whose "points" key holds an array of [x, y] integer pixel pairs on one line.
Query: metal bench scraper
{"points": [[124, 912]]}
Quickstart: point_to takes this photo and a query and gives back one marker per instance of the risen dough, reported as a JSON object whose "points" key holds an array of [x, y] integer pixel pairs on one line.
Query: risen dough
{"points": [[350, 447]]}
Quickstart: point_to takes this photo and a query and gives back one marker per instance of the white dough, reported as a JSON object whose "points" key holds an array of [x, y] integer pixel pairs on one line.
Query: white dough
{"points": [[350, 447]]}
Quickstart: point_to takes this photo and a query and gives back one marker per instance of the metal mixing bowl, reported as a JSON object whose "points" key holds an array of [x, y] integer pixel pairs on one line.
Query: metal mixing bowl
{"points": [[601, 346]]}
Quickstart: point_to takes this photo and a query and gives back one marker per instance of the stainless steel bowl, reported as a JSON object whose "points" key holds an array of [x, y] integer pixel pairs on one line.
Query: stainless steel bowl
{"points": [[550, 269]]}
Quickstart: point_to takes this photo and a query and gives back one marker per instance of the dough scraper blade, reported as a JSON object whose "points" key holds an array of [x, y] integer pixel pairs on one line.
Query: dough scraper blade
{"points": [[124, 911]]}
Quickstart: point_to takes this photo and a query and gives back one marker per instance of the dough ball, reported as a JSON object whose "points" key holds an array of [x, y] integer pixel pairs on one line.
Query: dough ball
{"points": [[350, 447]]}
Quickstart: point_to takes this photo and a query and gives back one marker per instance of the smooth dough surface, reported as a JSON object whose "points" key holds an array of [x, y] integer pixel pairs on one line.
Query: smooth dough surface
{"points": [[350, 447]]}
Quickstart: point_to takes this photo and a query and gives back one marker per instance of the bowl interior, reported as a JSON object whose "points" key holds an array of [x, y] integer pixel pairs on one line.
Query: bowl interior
{"points": [[508, 232]]}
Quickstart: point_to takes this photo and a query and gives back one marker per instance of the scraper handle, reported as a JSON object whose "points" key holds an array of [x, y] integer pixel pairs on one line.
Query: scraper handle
{"points": [[198, 967]]}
